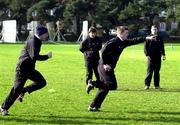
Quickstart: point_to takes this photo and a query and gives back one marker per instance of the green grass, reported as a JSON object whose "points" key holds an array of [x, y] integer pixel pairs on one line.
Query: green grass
{"points": [[65, 73]]}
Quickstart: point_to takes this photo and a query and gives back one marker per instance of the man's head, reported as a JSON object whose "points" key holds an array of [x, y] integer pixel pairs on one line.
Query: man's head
{"points": [[122, 32], [92, 32], [42, 33], [154, 30]]}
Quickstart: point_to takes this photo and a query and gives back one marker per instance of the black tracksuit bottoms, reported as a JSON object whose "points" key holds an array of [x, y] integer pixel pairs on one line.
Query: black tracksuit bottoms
{"points": [[90, 66], [18, 88], [107, 82], [154, 65]]}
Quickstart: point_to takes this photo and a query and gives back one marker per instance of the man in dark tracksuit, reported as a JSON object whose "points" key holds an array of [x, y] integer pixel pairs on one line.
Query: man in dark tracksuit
{"points": [[110, 55], [90, 47], [153, 50], [26, 70]]}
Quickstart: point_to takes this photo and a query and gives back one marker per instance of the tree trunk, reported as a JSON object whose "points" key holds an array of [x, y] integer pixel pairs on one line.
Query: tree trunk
{"points": [[78, 25]]}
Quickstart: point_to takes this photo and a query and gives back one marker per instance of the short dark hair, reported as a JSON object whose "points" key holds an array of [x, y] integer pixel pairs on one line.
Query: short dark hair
{"points": [[92, 29], [121, 29]]}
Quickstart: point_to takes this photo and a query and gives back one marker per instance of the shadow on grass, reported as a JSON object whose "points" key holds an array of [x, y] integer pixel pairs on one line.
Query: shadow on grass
{"points": [[157, 113], [164, 117], [151, 90]]}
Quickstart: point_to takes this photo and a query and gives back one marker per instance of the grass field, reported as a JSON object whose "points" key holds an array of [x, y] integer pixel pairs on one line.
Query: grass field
{"points": [[65, 73]]}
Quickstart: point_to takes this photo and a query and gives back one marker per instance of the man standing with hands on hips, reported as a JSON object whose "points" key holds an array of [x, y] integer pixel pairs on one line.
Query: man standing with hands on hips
{"points": [[154, 50], [26, 70]]}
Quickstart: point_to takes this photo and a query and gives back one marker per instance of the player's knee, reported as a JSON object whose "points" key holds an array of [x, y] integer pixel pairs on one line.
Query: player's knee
{"points": [[111, 85], [43, 83], [17, 89]]}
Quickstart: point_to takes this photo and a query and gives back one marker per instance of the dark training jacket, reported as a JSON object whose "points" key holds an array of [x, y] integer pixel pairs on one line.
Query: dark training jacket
{"points": [[154, 47], [29, 54], [90, 47], [113, 49]]}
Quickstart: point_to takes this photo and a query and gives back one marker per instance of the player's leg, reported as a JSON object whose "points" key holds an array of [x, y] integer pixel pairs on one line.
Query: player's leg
{"points": [[89, 71], [19, 82], [157, 74], [149, 73], [107, 82], [95, 68], [38, 82]]}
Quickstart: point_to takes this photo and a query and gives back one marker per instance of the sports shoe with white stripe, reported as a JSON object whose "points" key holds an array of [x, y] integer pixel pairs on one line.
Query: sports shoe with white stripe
{"points": [[4, 111], [93, 109], [89, 86]]}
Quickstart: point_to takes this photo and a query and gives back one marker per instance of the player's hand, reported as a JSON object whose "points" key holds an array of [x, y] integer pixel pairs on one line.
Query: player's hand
{"points": [[49, 54], [150, 37], [107, 67], [164, 57], [148, 57]]}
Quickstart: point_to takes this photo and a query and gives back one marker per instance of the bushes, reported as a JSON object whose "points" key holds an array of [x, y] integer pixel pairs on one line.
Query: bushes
{"points": [[174, 32]]}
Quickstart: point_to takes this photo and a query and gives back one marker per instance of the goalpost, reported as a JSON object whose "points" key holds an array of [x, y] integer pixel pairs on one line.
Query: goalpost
{"points": [[9, 33], [84, 32]]}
